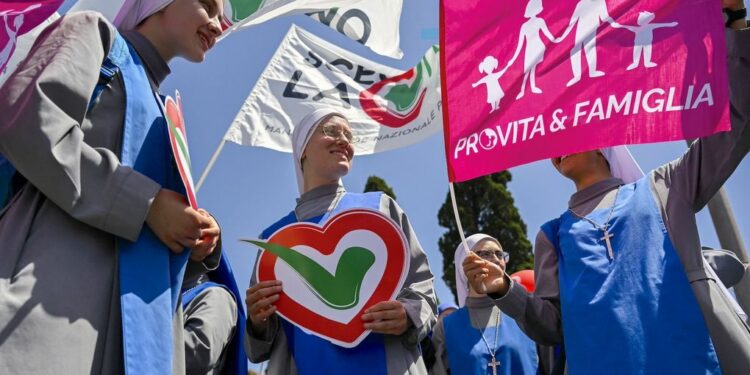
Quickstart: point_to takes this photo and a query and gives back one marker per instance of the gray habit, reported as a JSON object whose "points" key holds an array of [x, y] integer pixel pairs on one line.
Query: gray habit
{"points": [[59, 294], [402, 352], [680, 189]]}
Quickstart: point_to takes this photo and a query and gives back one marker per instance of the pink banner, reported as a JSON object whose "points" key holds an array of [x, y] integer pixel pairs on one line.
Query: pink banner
{"points": [[528, 80], [18, 18]]}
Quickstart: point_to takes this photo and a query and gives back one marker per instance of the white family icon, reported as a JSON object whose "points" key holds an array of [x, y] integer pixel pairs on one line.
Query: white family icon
{"points": [[587, 17], [12, 29]]}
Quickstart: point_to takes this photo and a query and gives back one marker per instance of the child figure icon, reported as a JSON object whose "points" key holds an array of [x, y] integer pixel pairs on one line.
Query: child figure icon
{"points": [[644, 38], [491, 81]]}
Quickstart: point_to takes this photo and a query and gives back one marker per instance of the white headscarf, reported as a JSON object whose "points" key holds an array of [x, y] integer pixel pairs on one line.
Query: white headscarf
{"points": [[301, 136], [133, 12], [622, 164], [462, 283]]}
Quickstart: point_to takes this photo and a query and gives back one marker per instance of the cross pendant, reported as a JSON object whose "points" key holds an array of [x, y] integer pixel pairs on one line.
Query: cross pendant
{"points": [[606, 239], [494, 365]]}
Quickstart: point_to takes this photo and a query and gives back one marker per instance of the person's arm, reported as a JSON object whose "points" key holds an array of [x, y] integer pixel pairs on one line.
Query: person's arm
{"points": [[441, 354], [604, 15], [417, 296], [538, 313], [697, 176], [517, 52], [547, 33], [41, 108], [210, 321]]}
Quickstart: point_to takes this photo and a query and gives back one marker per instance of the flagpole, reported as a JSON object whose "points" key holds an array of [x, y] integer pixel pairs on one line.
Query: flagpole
{"points": [[730, 239], [210, 164], [458, 219]]}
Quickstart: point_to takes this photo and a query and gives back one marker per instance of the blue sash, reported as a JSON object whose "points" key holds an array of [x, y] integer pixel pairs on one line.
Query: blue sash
{"points": [[636, 313], [313, 355], [467, 352], [150, 274], [222, 277]]}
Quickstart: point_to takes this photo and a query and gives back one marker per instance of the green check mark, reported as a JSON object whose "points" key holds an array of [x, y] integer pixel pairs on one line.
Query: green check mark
{"points": [[339, 291]]}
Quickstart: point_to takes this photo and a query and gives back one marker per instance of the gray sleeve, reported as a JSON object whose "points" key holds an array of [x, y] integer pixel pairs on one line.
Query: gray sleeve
{"points": [[210, 263], [210, 320], [698, 175], [41, 110], [417, 296], [538, 313], [441, 354], [258, 345]]}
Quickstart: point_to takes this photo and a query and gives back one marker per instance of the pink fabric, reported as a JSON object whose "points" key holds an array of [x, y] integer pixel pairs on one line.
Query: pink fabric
{"points": [[487, 129], [18, 18]]}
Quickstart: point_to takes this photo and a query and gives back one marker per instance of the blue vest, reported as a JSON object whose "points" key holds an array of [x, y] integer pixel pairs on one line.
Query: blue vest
{"points": [[150, 274], [222, 277], [636, 313], [467, 352], [313, 355]]}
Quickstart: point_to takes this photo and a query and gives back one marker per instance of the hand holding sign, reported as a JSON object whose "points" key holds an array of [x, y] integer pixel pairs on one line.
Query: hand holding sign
{"points": [[177, 221], [387, 317], [174, 222]]}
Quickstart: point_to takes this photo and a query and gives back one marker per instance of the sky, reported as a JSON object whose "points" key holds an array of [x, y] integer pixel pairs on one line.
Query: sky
{"points": [[250, 188]]}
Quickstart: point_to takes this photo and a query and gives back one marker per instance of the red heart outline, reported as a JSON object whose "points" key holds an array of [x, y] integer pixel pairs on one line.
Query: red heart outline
{"points": [[324, 239], [173, 115]]}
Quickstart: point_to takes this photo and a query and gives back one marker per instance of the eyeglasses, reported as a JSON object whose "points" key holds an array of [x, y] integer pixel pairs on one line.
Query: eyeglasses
{"points": [[336, 131], [488, 254]]}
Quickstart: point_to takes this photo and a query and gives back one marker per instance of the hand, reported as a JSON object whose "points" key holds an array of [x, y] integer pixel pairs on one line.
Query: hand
{"points": [[173, 221], [209, 238], [484, 276], [387, 317], [260, 300], [733, 4]]}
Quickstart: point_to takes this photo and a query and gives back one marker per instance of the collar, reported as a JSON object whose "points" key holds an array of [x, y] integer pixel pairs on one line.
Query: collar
{"points": [[320, 192], [156, 67], [479, 302], [594, 191]]}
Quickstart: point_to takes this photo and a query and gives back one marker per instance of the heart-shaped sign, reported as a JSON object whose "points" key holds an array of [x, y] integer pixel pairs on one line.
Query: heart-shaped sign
{"points": [[178, 140], [332, 273]]}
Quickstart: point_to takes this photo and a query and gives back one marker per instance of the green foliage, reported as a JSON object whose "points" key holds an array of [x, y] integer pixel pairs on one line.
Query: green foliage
{"points": [[485, 206], [375, 183]]}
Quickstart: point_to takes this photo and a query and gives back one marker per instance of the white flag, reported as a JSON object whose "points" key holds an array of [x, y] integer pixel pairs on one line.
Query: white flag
{"points": [[372, 23], [386, 108]]}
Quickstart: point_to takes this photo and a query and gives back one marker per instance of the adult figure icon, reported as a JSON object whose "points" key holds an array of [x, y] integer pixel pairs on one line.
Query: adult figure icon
{"points": [[587, 17], [535, 48], [12, 28]]}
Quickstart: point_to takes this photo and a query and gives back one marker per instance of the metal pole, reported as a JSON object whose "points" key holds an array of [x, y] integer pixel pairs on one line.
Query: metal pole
{"points": [[730, 239]]}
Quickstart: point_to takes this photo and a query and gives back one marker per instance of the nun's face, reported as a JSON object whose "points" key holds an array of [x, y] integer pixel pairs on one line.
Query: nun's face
{"points": [[329, 152], [578, 166], [490, 251], [192, 26]]}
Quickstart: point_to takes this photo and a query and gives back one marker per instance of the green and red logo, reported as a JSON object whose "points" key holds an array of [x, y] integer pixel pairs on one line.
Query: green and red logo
{"points": [[178, 140], [401, 103], [334, 272], [238, 10]]}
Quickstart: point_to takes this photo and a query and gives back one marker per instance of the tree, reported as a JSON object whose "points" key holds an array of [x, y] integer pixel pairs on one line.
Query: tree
{"points": [[375, 183], [485, 206]]}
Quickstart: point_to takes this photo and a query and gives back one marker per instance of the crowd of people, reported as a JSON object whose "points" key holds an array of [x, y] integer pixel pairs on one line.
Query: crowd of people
{"points": [[98, 215]]}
